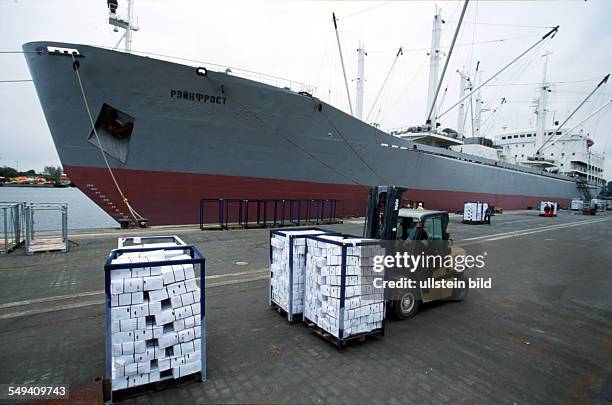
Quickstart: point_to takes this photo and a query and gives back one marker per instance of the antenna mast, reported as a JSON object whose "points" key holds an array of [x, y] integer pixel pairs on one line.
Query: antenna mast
{"points": [[463, 81], [361, 53], [477, 107], [542, 108], [125, 24], [434, 60], [433, 112]]}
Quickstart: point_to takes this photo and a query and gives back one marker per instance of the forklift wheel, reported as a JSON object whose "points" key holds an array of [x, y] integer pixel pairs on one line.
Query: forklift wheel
{"points": [[407, 306]]}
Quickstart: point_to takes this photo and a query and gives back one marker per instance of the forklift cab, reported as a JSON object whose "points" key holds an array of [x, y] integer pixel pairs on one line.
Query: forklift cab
{"points": [[386, 220], [415, 224]]}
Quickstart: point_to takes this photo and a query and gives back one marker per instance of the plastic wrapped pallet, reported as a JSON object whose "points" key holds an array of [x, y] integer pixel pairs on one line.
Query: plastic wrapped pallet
{"points": [[340, 297], [474, 211], [287, 265], [157, 329]]}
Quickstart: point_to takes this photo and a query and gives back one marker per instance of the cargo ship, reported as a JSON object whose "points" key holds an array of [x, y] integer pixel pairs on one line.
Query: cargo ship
{"points": [[163, 135]]}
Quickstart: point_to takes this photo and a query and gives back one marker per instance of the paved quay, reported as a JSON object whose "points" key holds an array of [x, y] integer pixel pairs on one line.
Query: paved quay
{"points": [[541, 334]]}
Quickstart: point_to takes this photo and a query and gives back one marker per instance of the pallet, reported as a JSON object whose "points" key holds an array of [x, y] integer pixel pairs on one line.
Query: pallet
{"points": [[11, 246], [47, 245], [284, 313], [341, 343], [157, 386], [475, 222]]}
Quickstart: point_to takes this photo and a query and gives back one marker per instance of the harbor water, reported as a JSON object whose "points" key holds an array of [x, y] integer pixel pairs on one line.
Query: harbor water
{"points": [[82, 212]]}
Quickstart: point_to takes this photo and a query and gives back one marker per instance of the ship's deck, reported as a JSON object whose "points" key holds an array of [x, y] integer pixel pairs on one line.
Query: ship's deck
{"points": [[541, 334]]}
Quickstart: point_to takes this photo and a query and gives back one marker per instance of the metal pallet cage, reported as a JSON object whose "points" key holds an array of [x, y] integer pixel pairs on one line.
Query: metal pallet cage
{"points": [[12, 216], [196, 259], [292, 234], [344, 244], [38, 241]]}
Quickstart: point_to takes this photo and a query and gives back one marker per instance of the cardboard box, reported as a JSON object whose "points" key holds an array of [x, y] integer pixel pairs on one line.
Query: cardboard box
{"points": [[163, 364], [191, 285], [179, 273], [127, 325], [189, 271], [158, 295], [164, 317], [119, 383], [176, 289], [168, 339], [155, 307], [116, 286], [139, 310], [122, 337], [132, 285], [153, 283], [167, 274], [190, 368]]}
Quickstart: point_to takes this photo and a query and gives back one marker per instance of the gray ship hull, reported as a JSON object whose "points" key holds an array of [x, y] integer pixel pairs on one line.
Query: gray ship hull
{"points": [[187, 136]]}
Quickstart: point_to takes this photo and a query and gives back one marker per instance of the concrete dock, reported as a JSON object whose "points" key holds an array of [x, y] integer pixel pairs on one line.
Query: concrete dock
{"points": [[541, 334]]}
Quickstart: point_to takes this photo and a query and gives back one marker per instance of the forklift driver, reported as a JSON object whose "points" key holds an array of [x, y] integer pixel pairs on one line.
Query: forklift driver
{"points": [[418, 233], [405, 226]]}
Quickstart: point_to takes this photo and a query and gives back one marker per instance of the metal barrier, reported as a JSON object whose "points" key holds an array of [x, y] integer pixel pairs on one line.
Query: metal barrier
{"points": [[263, 213], [45, 241], [12, 216]]}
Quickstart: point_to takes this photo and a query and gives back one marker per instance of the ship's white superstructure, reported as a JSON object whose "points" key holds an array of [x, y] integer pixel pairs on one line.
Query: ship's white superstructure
{"points": [[571, 154]]}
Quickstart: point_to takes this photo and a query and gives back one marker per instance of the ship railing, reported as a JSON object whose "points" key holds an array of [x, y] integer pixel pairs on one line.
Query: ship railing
{"points": [[231, 213], [271, 80]]}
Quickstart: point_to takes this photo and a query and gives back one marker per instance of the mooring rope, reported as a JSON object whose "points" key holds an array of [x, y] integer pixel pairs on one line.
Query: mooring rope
{"points": [[137, 217]]}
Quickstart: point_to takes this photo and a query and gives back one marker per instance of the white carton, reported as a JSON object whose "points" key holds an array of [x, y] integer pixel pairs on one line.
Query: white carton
{"points": [[158, 295], [153, 283]]}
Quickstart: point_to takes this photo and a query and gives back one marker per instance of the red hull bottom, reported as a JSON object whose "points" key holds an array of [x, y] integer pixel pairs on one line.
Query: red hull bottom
{"points": [[166, 198]]}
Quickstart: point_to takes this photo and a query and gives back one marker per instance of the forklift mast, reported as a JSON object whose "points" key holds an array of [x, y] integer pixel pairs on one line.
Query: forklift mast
{"points": [[384, 204]]}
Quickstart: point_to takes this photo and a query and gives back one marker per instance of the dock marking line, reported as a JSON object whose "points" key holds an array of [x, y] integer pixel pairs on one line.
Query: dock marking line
{"points": [[533, 230], [99, 292], [20, 314]]}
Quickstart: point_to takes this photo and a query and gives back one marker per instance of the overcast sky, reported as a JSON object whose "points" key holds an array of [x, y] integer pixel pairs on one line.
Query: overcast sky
{"points": [[295, 39]]}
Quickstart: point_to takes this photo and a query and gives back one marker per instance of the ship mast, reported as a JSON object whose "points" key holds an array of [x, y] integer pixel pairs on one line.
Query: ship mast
{"points": [[361, 53], [463, 85], [434, 62], [125, 24], [477, 107], [542, 107]]}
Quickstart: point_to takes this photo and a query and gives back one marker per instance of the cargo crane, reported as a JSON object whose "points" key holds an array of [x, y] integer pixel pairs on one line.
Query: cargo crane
{"points": [[387, 220]]}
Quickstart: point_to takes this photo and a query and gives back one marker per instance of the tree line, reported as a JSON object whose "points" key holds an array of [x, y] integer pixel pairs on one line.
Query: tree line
{"points": [[49, 172]]}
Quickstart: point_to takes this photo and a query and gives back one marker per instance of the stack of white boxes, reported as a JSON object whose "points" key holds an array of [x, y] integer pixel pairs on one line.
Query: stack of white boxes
{"points": [[474, 211], [155, 319], [364, 305], [279, 269]]}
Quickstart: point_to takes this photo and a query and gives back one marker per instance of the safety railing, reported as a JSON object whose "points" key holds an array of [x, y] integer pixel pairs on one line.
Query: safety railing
{"points": [[223, 213]]}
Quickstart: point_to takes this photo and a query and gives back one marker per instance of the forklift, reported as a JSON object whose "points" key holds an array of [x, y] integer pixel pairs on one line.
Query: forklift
{"points": [[387, 220]]}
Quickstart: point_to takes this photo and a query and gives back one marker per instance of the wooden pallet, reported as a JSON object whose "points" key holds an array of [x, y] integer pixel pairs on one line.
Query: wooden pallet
{"points": [[6, 249], [341, 343], [47, 245], [150, 387]]}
